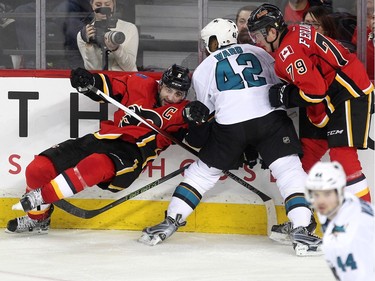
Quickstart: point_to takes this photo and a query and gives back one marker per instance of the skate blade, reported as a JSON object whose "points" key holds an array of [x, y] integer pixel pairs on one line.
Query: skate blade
{"points": [[283, 239], [26, 233], [147, 240], [17, 207], [303, 251]]}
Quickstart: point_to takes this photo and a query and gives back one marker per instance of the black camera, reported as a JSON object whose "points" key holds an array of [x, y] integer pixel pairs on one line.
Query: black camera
{"points": [[103, 29]]}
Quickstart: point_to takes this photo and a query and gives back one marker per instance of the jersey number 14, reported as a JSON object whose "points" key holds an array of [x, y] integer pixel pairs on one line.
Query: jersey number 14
{"points": [[349, 263]]}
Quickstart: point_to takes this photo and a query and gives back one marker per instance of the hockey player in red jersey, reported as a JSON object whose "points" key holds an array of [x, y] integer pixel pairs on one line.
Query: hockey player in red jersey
{"points": [[329, 81], [113, 157]]}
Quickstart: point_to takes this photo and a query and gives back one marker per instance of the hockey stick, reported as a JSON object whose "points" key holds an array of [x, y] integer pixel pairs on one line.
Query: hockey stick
{"points": [[370, 143], [268, 201], [88, 214]]}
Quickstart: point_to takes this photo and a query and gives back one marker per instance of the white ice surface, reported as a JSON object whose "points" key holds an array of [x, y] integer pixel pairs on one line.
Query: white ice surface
{"points": [[106, 255]]}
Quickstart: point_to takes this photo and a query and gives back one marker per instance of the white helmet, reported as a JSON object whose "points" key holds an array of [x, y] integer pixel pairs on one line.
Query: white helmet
{"points": [[225, 30], [326, 176]]}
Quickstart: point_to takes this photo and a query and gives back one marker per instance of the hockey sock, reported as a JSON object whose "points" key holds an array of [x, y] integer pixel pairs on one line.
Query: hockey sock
{"points": [[185, 199], [64, 185], [39, 172], [313, 151], [356, 180], [300, 216], [199, 178], [92, 170], [297, 210], [289, 175], [359, 187], [41, 212]]}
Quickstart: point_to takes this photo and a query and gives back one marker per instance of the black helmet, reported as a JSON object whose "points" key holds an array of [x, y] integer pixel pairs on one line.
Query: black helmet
{"points": [[266, 15], [177, 77]]}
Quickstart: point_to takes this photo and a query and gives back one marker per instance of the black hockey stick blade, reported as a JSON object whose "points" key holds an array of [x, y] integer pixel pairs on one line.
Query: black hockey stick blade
{"points": [[88, 214], [370, 143]]}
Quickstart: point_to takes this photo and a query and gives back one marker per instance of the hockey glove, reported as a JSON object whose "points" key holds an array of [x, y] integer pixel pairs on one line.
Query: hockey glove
{"points": [[278, 95], [195, 113], [80, 78], [250, 157]]}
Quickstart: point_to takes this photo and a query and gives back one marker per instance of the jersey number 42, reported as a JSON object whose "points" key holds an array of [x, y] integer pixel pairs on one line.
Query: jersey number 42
{"points": [[227, 79]]}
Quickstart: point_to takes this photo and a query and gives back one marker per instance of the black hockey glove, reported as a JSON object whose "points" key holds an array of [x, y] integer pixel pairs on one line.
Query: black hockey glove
{"points": [[195, 113], [250, 157], [278, 94], [80, 78], [263, 165]]}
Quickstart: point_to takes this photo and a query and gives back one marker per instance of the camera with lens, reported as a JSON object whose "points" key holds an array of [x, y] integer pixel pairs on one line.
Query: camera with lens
{"points": [[103, 29]]}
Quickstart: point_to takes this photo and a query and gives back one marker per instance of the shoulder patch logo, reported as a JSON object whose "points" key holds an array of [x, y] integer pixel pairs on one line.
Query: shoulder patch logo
{"points": [[286, 52], [141, 75]]}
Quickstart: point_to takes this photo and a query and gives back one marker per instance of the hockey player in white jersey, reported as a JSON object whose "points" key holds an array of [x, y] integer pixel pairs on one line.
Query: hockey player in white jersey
{"points": [[234, 81], [347, 222]]}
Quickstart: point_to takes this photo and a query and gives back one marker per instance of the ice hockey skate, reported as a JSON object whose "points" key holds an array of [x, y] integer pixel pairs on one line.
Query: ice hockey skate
{"points": [[29, 201], [281, 233], [28, 225], [305, 243], [156, 234]]}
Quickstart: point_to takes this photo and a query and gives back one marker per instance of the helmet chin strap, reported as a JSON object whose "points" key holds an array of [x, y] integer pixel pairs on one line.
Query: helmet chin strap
{"points": [[271, 43]]}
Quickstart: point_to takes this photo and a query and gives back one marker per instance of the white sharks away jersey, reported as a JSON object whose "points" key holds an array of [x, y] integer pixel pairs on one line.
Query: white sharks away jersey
{"points": [[348, 241], [235, 81]]}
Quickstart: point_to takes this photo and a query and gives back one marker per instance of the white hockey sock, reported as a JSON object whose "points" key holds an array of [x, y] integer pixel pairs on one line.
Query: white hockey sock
{"points": [[300, 216], [177, 206]]}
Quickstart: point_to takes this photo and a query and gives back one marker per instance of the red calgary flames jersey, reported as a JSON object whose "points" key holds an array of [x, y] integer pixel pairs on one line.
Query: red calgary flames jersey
{"points": [[139, 93], [325, 72]]}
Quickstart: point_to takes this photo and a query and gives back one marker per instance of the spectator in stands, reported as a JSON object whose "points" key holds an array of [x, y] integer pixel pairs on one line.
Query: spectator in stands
{"points": [[294, 10], [7, 30], [66, 26], [77, 12], [370, 39], [99, 49], [241, 22], [334, 25], [318, 17], [26, 33]]}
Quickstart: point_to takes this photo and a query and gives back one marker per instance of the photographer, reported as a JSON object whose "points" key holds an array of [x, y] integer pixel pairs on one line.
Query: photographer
{"points": [[108, 43]]}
